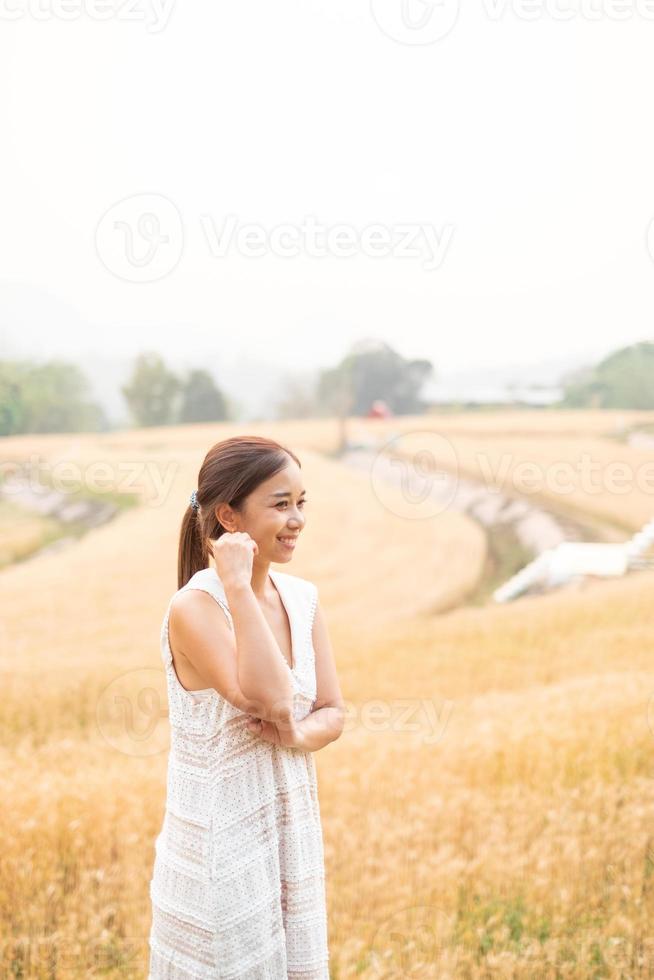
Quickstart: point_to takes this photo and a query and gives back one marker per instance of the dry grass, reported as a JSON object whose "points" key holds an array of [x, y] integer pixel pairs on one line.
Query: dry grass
{"points": [[518, 841], [486, 813], [22, 532]]}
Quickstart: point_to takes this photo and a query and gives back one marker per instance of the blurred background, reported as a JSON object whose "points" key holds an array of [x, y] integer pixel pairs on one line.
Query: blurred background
{"points": [[413, 242]]}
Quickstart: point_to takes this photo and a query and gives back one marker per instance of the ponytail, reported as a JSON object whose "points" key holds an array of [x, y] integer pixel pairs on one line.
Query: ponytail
{"points": [[192, 554]]}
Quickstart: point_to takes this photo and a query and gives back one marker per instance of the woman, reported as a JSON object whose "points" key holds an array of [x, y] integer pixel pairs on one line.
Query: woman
{"points": [[238, 885]]}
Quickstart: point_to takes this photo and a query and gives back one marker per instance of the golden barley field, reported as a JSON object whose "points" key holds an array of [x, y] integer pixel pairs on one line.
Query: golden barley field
{"points": [[488, 810]]}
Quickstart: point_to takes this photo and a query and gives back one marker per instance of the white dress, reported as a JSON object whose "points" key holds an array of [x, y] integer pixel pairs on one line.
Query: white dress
{"points": [[238, 883]]}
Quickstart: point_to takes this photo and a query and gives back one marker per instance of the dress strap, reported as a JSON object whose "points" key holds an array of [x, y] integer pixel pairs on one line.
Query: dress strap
{"points": [[207, 581]]}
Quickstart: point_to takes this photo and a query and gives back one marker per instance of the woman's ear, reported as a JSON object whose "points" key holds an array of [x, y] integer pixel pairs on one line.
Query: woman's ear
{"points": [[224, 515]]}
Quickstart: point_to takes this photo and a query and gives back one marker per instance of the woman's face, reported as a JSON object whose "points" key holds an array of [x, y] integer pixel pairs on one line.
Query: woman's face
{"points": [[273, 511]]}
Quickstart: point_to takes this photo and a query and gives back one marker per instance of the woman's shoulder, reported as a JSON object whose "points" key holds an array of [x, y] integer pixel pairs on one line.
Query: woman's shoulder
{"points": [[204, 580]]}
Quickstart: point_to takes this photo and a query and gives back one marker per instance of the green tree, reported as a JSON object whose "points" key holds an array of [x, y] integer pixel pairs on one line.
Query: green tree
{"points": [[371, 370], [202, 401], [49, 397], [11, 400], [624, 379], [152, 391]]}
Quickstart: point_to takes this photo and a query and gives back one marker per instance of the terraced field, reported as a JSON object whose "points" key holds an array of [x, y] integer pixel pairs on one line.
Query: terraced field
{"points": [[488, 810]]}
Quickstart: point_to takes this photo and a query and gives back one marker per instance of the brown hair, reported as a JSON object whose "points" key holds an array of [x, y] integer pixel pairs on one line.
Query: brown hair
{"points": [[231, 470]]}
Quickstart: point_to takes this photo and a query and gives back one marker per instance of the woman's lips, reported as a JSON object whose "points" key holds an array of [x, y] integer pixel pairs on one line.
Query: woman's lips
{"points": [[288, 543]]}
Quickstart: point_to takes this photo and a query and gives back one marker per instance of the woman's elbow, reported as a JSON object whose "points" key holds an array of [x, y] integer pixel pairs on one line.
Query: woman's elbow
{"points": [[279, 711]]}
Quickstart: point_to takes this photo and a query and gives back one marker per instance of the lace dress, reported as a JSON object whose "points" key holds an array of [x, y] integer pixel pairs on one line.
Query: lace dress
{"points": [[238, 883]]}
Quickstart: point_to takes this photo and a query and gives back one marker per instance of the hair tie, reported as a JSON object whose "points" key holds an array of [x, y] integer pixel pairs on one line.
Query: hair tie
{"points": [[194, 500]]}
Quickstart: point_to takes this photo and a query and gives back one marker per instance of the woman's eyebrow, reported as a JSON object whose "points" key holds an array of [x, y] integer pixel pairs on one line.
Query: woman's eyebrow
{"points": [[284, 493]]}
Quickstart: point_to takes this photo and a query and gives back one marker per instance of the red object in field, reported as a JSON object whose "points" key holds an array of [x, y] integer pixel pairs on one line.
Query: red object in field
{"points": [[379, 410]]}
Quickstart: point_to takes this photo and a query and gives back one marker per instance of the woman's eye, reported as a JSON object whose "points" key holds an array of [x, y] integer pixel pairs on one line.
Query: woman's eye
{"points": [[283, 502]]}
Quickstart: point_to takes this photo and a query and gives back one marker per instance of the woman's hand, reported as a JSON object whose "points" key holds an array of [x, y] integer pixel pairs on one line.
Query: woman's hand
{"points": [[287, 734], [234, 553]]}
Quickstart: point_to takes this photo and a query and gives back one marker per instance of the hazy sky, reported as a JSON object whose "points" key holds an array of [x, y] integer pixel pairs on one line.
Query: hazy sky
{"points": [[511, 155]]}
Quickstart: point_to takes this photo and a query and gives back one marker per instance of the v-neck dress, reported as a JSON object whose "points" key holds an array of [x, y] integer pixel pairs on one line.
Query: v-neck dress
{"points": [[238, 884]]}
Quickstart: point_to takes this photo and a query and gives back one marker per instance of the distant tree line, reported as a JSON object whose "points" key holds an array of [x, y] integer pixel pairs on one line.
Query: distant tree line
{"points": [[623, 379], [56, 397], [155, 395], [50, 397]]}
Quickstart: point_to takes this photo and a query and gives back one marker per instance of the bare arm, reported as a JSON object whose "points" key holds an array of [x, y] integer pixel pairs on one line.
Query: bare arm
{"points": [[262, 671], [245, 666], [324, 723]]}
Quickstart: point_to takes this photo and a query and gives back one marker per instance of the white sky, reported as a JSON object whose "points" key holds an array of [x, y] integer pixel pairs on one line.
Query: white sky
{"points": [[531, 139]]}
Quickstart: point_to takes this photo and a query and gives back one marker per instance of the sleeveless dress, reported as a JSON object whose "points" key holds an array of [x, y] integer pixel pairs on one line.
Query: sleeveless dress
{"points": [[238, 884]]}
